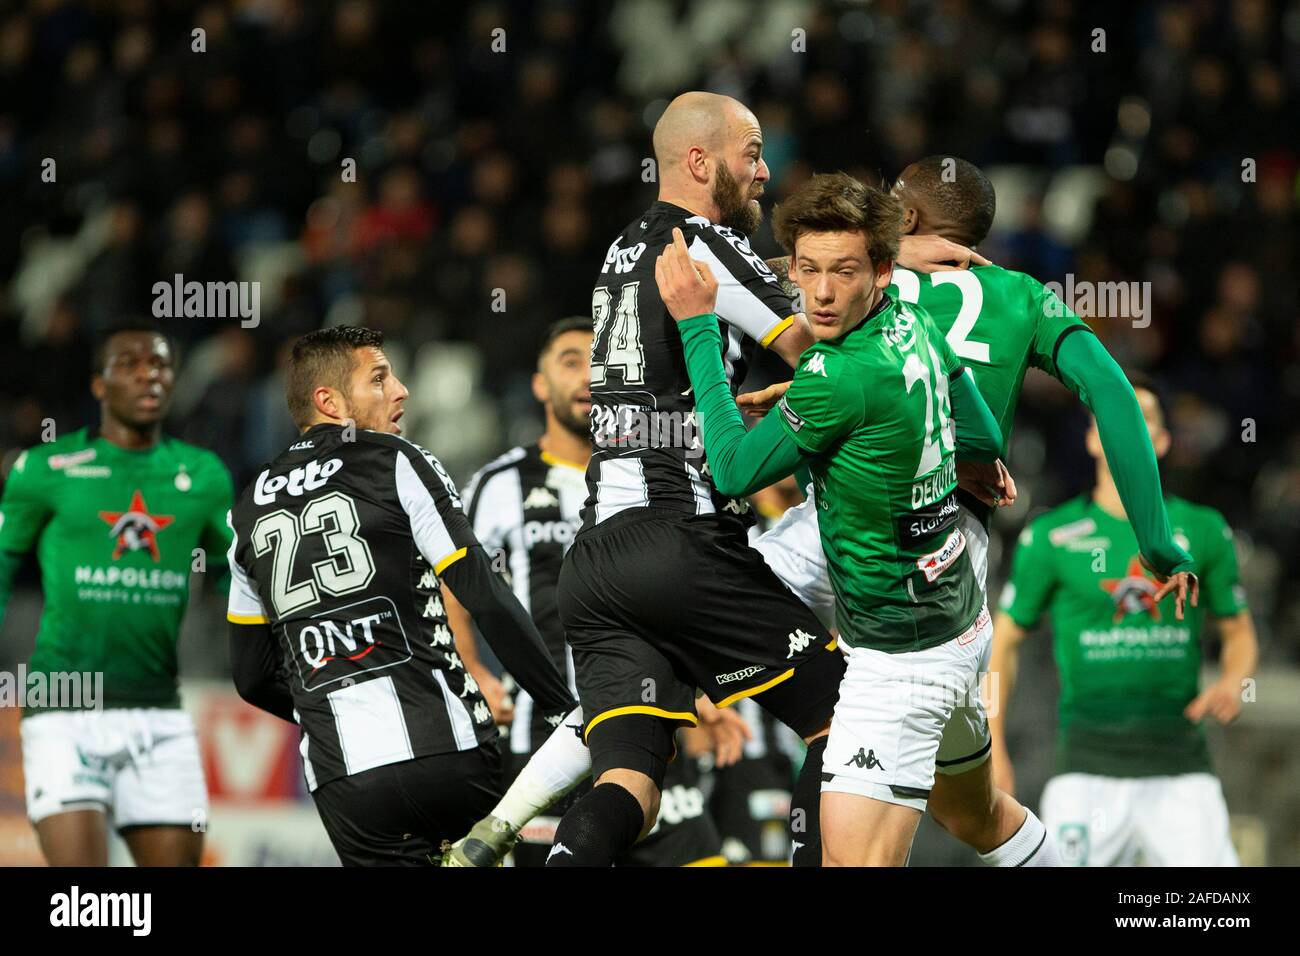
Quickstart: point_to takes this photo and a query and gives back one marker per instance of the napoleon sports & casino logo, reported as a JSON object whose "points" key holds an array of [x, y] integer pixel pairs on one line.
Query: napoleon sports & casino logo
{"points": [[132, 530]]}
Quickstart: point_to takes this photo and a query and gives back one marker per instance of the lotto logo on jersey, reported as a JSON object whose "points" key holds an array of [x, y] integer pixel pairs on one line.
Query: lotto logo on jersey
{"points": [[308, 477], [135, 529], [622, 259]]}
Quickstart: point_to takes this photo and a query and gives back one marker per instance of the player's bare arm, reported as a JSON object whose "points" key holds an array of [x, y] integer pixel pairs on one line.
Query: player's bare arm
{"points": [[1003, 664], [1240, 655]]}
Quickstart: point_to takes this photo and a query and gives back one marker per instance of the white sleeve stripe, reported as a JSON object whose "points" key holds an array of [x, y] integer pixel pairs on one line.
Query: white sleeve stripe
{"points": [[243, 605], [427, 527], [736, 304]]}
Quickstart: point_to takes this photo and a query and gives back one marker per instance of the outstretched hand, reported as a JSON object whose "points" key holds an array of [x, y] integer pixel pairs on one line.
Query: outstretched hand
{"points": [[686, 285], [762, 401]]}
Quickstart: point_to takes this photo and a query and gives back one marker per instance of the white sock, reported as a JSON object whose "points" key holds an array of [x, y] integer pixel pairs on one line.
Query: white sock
{"points": [[558, 766], [1028, 846]]}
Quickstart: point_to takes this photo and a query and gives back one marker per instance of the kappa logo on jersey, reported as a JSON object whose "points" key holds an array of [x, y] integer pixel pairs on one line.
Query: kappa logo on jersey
{"points": [[816, 365], [865, 760], [135, 529], [622, 259], [441, 636], [1135, 593], [541, 498], [428, 580], [799, 642], [433, 607], [309, 477]]}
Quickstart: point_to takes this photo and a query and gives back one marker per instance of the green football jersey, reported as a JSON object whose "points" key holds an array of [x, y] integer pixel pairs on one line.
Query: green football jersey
{"points": [[871, 408], [1128, 667], [115, 533], [997, 322]]}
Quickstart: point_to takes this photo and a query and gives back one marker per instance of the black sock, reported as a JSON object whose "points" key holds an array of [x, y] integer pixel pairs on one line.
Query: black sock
{"points": [[597, 828], [805, 808]]}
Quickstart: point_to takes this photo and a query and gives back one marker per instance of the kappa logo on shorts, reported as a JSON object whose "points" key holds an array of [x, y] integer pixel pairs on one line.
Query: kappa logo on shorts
{"points": [[740, 674], [799, 642], [865, 760]]}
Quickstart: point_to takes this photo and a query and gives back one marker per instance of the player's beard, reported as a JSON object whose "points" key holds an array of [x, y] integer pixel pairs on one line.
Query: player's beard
{"points": [[735, 210], [579, 423]]}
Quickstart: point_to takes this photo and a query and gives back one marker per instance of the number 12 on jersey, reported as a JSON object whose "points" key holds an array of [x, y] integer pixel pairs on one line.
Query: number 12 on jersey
{"points": [[617, 343]]}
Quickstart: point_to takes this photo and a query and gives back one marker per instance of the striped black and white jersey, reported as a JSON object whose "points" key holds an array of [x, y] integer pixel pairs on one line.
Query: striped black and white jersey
{"points": [[525, 506], [338, 545], [648, 451]]}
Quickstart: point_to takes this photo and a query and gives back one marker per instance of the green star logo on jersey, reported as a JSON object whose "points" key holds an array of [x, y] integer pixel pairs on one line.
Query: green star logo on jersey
{"points": [[1134, 593], [136, 529]]}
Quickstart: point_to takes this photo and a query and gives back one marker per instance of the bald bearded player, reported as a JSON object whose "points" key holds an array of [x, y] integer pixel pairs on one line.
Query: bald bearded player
{"points": [[661, 593]]}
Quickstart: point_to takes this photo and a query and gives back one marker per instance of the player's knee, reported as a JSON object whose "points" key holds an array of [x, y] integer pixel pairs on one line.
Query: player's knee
{"points": [[972, 821], [640, 786]]}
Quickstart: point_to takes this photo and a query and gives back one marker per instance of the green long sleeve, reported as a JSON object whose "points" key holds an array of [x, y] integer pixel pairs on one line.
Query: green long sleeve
{"points": [[978, 436], [741, 460], [9, 564], [1090, 372]]}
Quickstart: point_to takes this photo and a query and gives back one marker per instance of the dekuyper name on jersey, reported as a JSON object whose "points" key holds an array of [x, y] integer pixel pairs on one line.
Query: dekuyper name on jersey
{"points": [[934, 505], [639, 425]]}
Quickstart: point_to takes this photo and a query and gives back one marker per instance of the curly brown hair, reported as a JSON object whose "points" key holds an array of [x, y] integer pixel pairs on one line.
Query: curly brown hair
{"points": [[836, 202]]}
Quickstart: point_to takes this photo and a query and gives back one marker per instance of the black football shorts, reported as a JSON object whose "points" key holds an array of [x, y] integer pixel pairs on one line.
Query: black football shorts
{"points": [[655, 604]]}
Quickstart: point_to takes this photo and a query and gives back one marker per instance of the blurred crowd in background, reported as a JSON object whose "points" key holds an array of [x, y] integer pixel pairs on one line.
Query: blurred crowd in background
{"points": [[499, 148]]}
